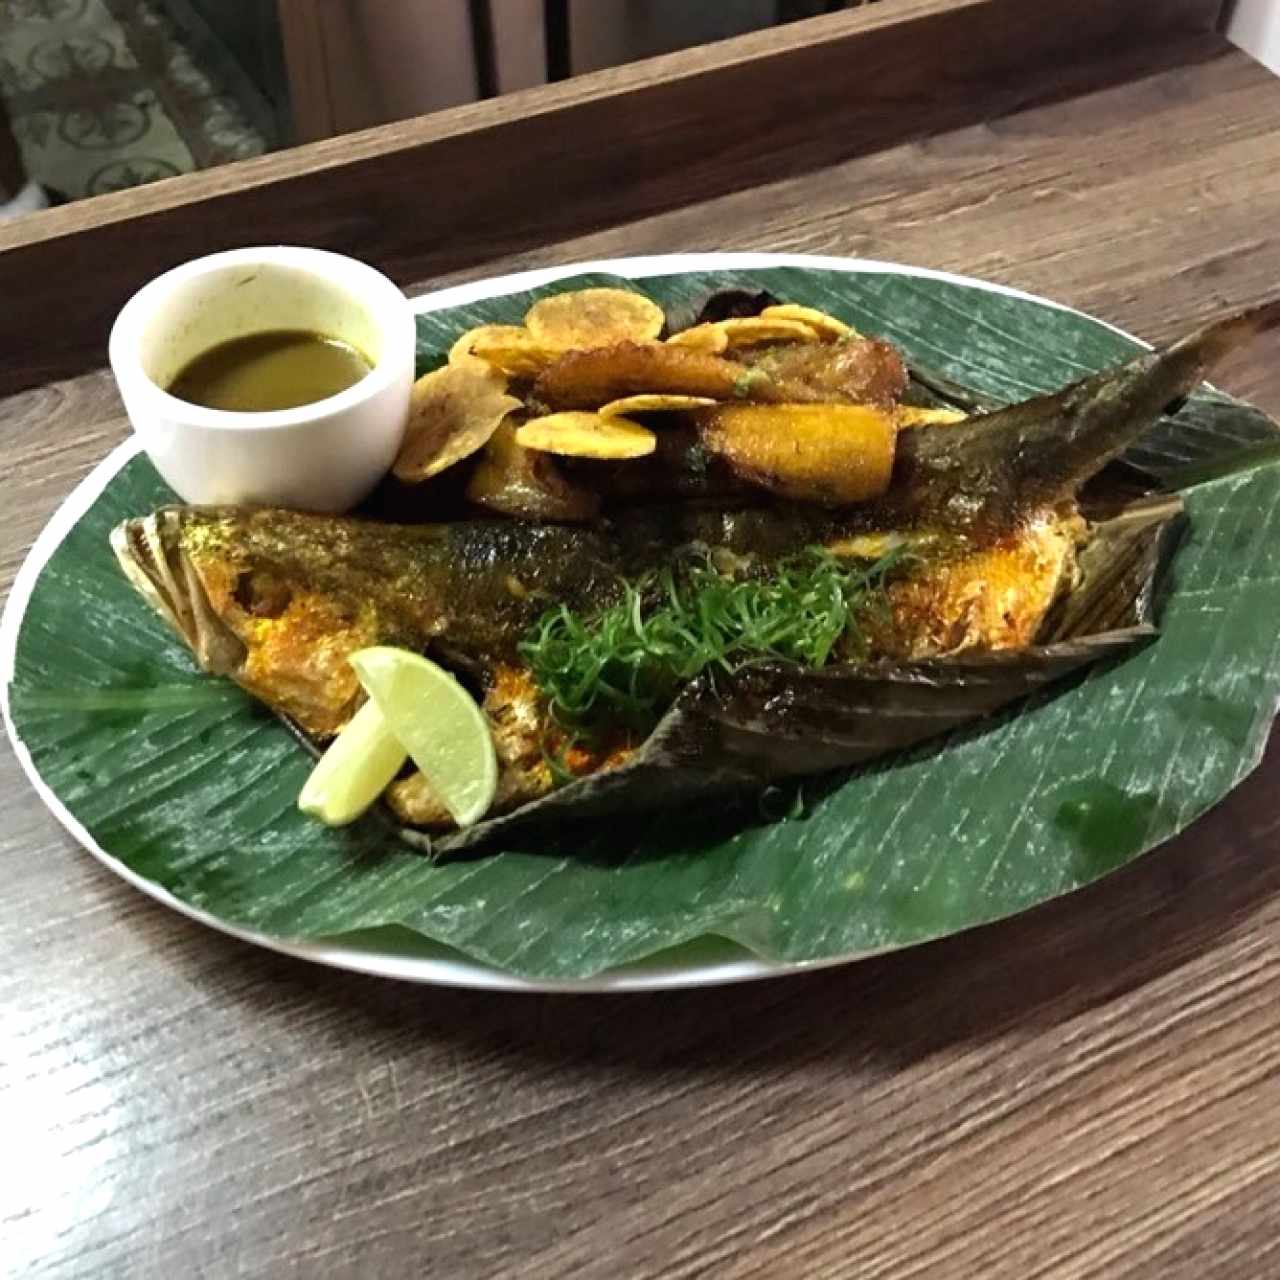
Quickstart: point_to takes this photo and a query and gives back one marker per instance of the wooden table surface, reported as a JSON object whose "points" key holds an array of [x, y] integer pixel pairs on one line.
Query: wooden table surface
{"points": [[1092, 1089]]}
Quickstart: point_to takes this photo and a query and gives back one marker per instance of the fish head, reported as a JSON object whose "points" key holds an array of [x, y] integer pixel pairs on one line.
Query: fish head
{"points": [[237, 591]]}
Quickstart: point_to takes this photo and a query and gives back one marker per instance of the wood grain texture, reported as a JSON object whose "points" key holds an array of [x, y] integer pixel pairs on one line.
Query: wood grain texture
{"points": [[310, 96], [1089, 1091], [534, 167]]}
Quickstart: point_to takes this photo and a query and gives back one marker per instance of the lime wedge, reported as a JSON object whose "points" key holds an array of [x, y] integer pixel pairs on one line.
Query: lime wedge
{"points": [[354, 771], [438, 723]]}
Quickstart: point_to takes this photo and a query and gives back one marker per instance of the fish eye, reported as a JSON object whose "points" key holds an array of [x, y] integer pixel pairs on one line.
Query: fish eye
{"points": [[261, 594]]}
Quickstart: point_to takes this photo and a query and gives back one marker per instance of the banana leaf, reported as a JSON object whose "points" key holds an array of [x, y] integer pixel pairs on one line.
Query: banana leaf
{"points": [[193, 787]]}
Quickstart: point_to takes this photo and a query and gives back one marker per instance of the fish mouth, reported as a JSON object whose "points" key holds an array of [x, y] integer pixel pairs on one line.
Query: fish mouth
{"points": [[149, 551]]}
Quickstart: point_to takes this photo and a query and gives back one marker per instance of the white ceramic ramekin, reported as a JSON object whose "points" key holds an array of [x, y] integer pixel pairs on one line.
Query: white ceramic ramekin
{"points": [[318, 457]]}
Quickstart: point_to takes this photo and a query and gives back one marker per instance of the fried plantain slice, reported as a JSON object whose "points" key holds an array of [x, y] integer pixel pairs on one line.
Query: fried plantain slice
{"points": [[491, 335], [578, 434], [589, 318], [518, 354], [831, 454], [701, 337], [751, 331], [452, 413], [825, 326], [653, 404]]}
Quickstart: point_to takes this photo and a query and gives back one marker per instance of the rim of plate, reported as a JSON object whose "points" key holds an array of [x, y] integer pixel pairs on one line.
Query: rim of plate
{"points": [[450, 970]]}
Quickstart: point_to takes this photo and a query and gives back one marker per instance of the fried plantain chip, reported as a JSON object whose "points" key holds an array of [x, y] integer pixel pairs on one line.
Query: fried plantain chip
{"points": [[519, 482], [908, 415], [576, 434], [750, 331], [653, 404], [588, 379], [824, 325], [829, 454], [494, 335], [452, 413], [519, 354], [701, 337], [594, 318]]}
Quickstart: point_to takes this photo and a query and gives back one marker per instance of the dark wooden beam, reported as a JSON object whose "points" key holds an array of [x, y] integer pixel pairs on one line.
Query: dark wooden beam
{"points": [[559, 44], [442, 192], [480, 13]]}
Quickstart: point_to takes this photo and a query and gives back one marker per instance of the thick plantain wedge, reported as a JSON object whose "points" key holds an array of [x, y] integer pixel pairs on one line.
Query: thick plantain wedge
{"points": [[829, 454], [589, 379]]}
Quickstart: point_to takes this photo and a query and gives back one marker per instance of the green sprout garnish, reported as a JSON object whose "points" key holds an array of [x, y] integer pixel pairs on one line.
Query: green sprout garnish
{"points": [[625, 665], [748, 380]]}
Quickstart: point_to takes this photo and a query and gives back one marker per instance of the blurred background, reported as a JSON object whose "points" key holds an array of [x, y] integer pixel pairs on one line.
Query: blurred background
{"points": [[99, 95]]}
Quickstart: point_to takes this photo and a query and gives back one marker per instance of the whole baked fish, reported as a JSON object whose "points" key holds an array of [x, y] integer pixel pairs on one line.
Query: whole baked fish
{"points": [[1006, 587]]}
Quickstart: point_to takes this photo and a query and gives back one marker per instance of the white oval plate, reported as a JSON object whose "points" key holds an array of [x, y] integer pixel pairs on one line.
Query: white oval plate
{"points": [[424, 962]]}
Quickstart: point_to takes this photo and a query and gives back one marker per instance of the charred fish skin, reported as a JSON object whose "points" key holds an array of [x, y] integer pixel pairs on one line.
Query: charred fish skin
{"points": [[989, 473]]}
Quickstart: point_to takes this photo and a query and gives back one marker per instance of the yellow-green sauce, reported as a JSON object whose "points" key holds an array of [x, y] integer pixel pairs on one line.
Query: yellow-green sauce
{"points": [[277, 369]]}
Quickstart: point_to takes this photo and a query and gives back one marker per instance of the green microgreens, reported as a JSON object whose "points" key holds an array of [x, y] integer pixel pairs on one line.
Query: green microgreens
{"points": [[747, 381], [625, 664]]}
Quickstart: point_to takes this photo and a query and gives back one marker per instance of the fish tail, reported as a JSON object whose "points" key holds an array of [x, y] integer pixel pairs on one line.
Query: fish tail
{"points": [[990, 471]]}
